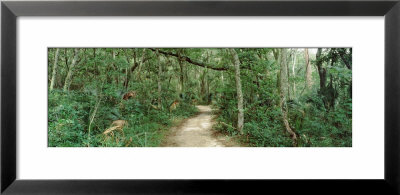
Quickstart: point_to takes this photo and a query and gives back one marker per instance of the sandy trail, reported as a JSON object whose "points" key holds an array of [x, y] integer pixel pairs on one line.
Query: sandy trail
{"points": [[197, 132]]}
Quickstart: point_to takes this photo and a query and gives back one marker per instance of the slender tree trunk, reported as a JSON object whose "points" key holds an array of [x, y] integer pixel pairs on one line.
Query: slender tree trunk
{"points": [[71, 70], [109, 78], [140, 65], [277, 58], [62, 77], [238, 90], [181, 77], [115, 67], [181, 73], [207, 91], [66, 58], [159, 79], [283, 72], [130, 70], [308, 69], [127, 73], [288, 77], [92, 119], [294, 75], [283, 88], [321, 70], [53, 75], [203, 85]]}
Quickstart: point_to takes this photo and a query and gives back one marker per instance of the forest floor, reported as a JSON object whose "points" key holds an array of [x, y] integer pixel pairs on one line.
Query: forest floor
{"points": [[197, 132]]}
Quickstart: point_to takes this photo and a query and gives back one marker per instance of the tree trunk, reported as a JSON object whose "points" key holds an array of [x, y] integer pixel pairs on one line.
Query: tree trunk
{"points": [[130, 70], [203, 85], [53, 75], [294, 75], [277, 56], [321, 70], [238, 90], [326, 91], [61, 80], [140, 65], [283, 88], [283, 72], [181, 73], [347, 62], [159, 79], [115, 67], [109, 77], [308, 69], [127, 72], [92, 119], [68, 79]]}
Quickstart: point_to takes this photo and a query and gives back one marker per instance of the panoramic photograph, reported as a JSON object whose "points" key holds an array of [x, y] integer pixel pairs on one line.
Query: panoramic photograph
{"points": [[199, 97]]}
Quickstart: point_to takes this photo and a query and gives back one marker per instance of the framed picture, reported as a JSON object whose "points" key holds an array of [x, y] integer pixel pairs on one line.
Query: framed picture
{"points": [[200, 97]]}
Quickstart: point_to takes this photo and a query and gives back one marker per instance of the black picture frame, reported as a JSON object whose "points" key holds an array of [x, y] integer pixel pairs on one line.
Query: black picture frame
{"points": [[10, 10]]}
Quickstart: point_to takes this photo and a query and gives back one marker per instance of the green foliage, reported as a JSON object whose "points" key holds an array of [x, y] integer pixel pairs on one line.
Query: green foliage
{"points": [[314, 124], [68, 115], [69, 119], [320, 115]]}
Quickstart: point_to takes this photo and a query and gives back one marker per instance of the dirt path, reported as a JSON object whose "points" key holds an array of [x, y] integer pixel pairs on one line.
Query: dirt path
{"points": [[197, 132]]}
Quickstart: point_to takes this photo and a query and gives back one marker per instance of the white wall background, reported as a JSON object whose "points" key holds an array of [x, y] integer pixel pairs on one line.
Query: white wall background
{"points": [[364, 160]]}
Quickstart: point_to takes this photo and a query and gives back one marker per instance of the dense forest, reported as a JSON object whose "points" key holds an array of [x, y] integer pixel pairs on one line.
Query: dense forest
{"points": [[256, 97]]}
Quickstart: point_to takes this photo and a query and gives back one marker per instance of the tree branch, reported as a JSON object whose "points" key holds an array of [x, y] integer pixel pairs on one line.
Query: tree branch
{"points": [[187, 59]]}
